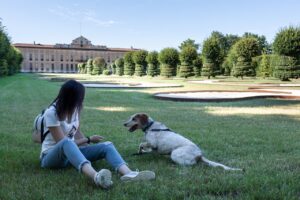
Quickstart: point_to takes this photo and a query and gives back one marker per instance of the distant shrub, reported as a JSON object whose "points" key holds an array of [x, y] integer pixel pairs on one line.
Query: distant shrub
{"points": [[139, 59], [119, 66], [168, 58], [153, 64], [107, 72], [128, 64]]}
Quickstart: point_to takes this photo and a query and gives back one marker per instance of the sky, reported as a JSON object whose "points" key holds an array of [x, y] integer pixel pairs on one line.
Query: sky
{"points": [[145, 24]]}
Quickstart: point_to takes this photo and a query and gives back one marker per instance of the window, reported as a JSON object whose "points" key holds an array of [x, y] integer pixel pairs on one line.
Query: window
{"points": [[71, 58], [52, 57], [42, 57], [30, 57], [72, 68], [62, 67], [81, 43], [42, 67], [67, 67], [61, 58], [52, 67], [30, 67], [81, 58]]}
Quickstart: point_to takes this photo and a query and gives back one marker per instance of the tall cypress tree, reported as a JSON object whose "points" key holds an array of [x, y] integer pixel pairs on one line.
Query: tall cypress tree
{"points": [[152, 60], [168, 58], [187, 56], [119, 66], [139, 59], [89, 66], [128, 64]]}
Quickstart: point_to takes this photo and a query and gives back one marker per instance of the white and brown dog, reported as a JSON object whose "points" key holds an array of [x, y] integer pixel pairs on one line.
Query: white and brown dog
{"points": [[160, 138]]}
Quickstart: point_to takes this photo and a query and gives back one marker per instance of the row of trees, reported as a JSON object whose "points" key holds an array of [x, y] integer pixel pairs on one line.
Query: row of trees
{"points": [[10, 57], [239, 56]]}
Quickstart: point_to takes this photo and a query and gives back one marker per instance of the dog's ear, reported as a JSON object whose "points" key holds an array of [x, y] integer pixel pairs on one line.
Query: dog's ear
{"points": [[143, 119]]}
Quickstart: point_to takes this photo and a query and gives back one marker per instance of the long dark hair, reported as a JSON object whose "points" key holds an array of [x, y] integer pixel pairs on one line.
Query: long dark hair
{"points": [[69, 99]]}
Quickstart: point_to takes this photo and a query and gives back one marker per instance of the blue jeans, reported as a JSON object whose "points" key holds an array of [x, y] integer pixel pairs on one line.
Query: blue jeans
{"points": [[66, 152]]}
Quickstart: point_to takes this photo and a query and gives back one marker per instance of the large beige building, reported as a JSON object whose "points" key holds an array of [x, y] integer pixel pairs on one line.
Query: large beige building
{"points": [[63, 58]]}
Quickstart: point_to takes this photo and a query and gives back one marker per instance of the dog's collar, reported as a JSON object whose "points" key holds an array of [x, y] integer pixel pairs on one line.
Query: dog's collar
{"points": [[148, 126], [156, 130]]}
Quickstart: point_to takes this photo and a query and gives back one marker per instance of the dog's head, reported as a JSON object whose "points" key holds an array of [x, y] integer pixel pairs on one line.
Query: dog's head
{"points": [[137, 121]]}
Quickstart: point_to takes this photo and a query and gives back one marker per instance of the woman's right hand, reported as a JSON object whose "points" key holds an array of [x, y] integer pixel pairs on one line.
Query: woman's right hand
{"points": [[96, 138]]}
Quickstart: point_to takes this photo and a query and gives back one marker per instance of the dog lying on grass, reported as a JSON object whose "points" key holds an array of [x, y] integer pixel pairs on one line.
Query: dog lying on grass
{"points": [[160, 138]]}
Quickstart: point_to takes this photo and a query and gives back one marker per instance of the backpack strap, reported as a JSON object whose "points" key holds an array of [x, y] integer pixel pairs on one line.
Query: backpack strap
{"points": [[43, 135]]}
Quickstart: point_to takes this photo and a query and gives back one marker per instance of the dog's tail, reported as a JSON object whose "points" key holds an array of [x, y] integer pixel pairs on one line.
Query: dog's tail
{"points": [[215, 164]]}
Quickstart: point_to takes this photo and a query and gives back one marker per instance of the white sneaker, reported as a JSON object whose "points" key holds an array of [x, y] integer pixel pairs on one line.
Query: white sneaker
{"points": [[138, 176], [103, 178]]}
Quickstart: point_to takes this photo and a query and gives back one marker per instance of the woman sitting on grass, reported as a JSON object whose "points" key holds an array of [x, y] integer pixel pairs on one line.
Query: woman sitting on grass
{"points": [[62, 146]]}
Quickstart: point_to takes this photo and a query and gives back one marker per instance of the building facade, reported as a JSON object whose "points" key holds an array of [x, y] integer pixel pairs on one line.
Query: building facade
{"points": [[63, 58]]}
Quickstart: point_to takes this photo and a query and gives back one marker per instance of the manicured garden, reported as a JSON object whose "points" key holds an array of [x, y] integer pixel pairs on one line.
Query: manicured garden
{"points": [[261, 136]]}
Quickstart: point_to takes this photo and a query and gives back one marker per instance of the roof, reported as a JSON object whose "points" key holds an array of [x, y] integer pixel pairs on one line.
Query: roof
{"points": [[47, 46]]}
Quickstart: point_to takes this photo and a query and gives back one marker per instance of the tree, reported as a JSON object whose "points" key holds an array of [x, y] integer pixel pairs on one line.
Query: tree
{"points": [[152, 60], [3, 67], [285, 67], [81, 67], [197, 66], [262, 41], [168, 58], [243, 68], [119, 66], [128, 64], [98, 65], [139, 58], [287, 42], [89, 66], [113, 68], [245, 49], [189, 43], [10, 57], [211, 52], [187, 56], [264, 68], [287, 46]]}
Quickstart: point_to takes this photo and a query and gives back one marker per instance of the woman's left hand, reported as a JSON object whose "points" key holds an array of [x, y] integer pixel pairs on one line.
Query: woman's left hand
{"points": [[96, 138]]}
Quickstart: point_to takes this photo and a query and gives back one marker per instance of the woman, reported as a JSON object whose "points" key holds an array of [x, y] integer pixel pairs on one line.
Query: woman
{"points": [[62, 146]]}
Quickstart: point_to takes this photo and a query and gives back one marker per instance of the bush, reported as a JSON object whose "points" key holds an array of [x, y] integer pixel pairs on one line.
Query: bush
{"points": [[285, 67], [245, 49], [152, 60], [243, 68], [287, 42], [197, 66], [262, 64], [3, 67], [187, 56], [119, 66], [107, 72], [112, 68], [211, 52], [168, 58], [98, 65], [208, 69], [139, 58], [10, 57], [128, 64], [89, 66], [81, 68]]}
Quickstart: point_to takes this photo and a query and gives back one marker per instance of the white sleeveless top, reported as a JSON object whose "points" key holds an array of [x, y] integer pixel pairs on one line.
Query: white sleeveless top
{"points": [[51, 120]]}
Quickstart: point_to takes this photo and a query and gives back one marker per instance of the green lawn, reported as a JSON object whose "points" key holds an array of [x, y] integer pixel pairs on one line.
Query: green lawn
{"points": [[262, 136]]}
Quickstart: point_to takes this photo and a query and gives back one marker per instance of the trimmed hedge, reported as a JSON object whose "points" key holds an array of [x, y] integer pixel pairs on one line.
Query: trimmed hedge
{"points": [[285, 67]]}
